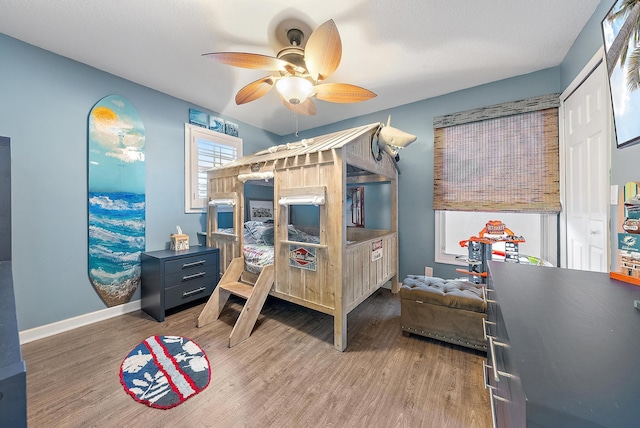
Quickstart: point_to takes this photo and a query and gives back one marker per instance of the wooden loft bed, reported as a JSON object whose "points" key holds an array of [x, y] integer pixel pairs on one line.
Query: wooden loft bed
{"points": [[347, 270]]}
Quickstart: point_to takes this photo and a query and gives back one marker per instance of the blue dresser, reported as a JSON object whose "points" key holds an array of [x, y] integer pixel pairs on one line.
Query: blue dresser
{"points": [[173, 278]]}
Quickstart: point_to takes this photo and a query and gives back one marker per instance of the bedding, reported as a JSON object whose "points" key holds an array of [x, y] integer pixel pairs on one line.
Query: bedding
{"points": [[258, 243], [257, 256]]}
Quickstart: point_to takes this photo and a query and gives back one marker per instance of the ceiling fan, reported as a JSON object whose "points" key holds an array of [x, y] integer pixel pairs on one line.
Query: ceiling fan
{"points": [[297, 71]]}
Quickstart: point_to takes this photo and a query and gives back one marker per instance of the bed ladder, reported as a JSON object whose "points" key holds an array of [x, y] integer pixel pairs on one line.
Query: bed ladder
{"points": [[255, 296]]}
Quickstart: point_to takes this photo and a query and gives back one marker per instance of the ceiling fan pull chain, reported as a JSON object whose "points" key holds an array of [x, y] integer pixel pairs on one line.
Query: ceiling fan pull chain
{"points": [[295, 114]]}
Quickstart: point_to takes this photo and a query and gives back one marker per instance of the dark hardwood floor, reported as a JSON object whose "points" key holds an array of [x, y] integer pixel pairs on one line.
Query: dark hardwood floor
{"points": [[287, 374]]}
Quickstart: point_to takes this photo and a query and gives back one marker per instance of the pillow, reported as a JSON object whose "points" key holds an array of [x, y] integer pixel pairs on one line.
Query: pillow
{"points": [[295, 234], [248, 237], [300, 236], [266, 234], [251, 226]]}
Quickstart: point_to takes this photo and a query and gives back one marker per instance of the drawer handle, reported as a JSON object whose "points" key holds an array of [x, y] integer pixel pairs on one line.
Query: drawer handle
{"points": [[484, 327], [485, 290], [494, 420], [497, 373], [485, 378], [198, 263], [192, 292], [497, 397], [492, 349], [194, 276], [484, 295]]}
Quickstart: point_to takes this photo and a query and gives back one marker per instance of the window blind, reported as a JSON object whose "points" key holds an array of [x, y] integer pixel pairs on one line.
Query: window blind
{"points": [[211, 154], [499, 158]]}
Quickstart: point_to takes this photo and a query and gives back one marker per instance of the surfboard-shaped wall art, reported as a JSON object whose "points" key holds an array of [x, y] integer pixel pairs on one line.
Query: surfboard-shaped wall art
{"points": [[116, 198]]}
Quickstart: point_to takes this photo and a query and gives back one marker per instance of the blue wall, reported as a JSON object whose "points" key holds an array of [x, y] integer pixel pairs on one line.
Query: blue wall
{"points": [[44, 106], [586, 45]]}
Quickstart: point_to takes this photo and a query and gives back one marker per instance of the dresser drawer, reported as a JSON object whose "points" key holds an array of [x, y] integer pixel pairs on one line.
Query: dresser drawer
{"points": [[189, 263], [188, 276], [187, 292]]}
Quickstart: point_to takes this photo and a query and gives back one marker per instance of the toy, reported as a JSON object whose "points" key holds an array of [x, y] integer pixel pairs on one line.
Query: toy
{"points": [[480, 250]]}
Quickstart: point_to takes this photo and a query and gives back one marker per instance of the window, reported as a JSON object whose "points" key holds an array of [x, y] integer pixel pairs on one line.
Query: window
{"points": [[301, 207], [204, 149], [538, 230], [498, 158], [498, 163], [305, 218]]}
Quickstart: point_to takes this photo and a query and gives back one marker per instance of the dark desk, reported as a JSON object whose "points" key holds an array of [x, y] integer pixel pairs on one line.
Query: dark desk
{"points": [[574, 344]]}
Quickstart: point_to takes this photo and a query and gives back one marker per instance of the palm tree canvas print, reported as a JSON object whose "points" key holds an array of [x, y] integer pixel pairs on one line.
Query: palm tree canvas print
{"points": [[621, 34]]}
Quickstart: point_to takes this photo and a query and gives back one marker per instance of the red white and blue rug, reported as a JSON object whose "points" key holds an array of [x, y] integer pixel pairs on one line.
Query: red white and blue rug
{"points": [[164, 371]]}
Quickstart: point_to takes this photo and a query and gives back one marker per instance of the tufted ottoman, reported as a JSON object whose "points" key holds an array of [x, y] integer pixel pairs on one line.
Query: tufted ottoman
{"points": [[447, 310]]}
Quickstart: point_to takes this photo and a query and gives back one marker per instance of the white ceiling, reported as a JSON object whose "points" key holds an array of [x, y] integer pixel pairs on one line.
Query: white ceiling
{"points": [[403, 50]]}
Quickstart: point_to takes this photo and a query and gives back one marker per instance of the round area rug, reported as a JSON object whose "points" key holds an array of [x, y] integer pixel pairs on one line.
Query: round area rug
{"points": [[164, 371]]}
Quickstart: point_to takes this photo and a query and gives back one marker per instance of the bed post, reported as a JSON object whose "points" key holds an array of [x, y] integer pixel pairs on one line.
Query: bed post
{"points": [[337, 242], [395, 284], [340, 330]]}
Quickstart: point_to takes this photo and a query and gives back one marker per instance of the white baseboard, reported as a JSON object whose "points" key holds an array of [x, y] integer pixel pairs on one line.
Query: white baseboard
{"points": [[43, 331]]}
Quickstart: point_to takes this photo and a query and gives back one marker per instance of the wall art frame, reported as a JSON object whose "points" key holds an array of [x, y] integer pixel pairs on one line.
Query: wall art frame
{"points": [[622, 58], [355, 206], [260, 210]]}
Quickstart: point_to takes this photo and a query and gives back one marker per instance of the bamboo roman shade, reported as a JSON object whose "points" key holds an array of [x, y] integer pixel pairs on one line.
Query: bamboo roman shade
{"points": [[499, 158]]}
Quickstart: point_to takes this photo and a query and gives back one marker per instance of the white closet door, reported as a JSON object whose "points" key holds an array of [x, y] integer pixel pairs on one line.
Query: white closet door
{"points": [[586, 153]]}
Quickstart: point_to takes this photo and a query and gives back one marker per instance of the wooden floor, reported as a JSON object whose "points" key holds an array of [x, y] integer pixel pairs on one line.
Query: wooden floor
{"points": [[287, 374]]}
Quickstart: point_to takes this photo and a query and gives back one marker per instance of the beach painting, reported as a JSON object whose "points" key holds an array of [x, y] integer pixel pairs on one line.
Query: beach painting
{"points": [[116, 198]]}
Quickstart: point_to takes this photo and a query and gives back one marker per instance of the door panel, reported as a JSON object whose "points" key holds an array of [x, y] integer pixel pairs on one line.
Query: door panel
{"points": [[586, 206]]}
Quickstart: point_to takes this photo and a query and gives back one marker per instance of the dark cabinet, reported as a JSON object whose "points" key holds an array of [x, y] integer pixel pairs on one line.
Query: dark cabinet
{"points": [[13, 384], [172, 278], [13, 388], [563, 348]]}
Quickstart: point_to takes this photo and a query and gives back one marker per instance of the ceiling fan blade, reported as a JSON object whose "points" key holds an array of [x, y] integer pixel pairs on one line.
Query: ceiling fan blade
{"points": [[307, 108], [254, 90], [250, 60], [342, 93], [323, 51]]}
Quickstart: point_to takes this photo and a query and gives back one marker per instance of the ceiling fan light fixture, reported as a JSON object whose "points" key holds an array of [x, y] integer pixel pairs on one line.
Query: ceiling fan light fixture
{"points": [[294, 90]]}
